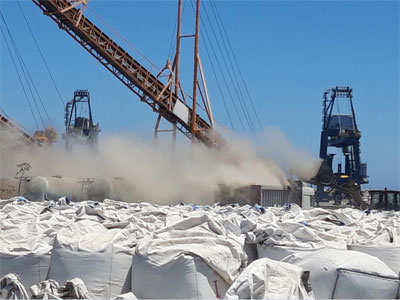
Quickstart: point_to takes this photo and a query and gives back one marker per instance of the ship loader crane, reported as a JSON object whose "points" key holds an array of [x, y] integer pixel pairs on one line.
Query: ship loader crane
{"points": [[340, 131], [326, 178], [138, 79], [80, 128]]}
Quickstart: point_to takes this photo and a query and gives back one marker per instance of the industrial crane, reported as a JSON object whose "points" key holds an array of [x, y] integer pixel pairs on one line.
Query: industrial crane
{"points": [[120, 63], [80, 128], [340, 131]]}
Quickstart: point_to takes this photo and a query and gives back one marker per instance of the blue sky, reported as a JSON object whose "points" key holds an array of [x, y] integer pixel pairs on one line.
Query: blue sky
{"points": [[289, 52]]}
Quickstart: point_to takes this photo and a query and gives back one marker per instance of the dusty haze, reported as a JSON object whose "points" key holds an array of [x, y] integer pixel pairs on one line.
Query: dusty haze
{"points": [[157, 173], [293, 160]]}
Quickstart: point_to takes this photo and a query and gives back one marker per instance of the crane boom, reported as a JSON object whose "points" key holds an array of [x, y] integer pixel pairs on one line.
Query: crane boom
{"points": [[120, 63]]}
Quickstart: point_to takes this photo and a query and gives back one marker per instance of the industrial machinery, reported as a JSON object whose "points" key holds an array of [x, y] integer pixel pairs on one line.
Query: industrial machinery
{"points": [[6, 122], [326, 179], [340, 131], [47, 136], [40, 137], [159, 96], [79, 126]]}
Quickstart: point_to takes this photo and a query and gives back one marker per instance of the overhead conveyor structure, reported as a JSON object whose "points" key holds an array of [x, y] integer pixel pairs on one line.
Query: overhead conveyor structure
{"points": [[138, 79]]}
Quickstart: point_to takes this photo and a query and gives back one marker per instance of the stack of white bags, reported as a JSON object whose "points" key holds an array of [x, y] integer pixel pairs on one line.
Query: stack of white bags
{"points": [[116, 250]]}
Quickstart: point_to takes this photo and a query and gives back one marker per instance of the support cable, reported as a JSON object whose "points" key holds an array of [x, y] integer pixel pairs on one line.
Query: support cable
{"points": [[218, 85], [243, 108], [235, 77], [170, 53], [42, 56], [172, 47], [224, 81], [222, 73], [24, 70], [19, 77], [173, 38], [237, 66], [48, 70], [28, 76], [128, 43], [14, 121], [172, 43]]}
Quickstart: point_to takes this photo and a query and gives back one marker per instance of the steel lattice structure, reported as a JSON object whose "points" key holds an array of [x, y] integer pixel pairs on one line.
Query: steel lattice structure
{"points": [[129, 71]]}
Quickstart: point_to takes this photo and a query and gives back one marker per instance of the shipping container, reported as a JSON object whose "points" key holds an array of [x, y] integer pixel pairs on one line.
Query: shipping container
{"points": [[297, 192]]}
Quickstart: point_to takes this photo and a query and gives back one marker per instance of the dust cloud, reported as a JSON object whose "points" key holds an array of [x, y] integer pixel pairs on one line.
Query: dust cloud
{"points": [[293, 160], [134, 169]]}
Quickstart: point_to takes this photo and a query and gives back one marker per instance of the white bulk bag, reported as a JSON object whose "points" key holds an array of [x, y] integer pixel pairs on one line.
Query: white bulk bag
{"points": [[32, 267], [126, 296], [280, 252], [345, 274], [184, 277], [51, 289], [251, 252], [186, 264], [276, 241], [269, 279], [12, 288], [101, 257], [390, 255], [27, 235], [22, 252]]}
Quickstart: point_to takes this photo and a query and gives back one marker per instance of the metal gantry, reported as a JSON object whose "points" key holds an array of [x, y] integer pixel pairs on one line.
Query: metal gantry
{"points": [[79, 126], [160, 97], [340, 131]]}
